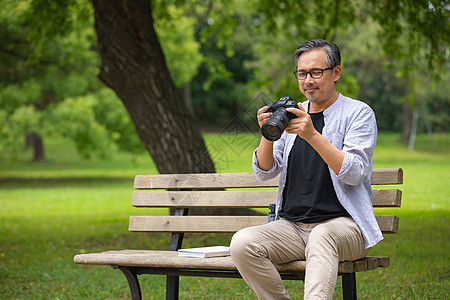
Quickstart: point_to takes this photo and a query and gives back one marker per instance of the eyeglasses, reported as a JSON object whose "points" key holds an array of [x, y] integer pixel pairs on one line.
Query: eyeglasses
{"points": [[315, 73]]}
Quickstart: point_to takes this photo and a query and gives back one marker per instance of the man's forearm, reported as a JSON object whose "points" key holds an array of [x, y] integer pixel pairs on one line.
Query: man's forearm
{"points": [[332, 156], [264, 154]]}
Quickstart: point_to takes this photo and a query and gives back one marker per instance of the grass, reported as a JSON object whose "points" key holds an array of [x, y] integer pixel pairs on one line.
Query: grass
{"points": [[54, 210]]}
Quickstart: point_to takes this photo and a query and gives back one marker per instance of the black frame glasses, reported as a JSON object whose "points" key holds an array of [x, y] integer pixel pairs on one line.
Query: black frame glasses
{"points": [[315, 73]]}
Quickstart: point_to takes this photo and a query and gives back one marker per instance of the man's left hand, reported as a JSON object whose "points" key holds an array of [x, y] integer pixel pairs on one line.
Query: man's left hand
{"points": [[302, 125]]}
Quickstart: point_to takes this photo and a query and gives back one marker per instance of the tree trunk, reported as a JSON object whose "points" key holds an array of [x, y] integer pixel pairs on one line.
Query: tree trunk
{"points": [[187, 94], [133, 65], [34, 142], [406, 116]]}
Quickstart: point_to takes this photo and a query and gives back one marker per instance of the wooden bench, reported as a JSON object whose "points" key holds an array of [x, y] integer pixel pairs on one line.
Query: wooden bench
{"points": [[218, 191]]}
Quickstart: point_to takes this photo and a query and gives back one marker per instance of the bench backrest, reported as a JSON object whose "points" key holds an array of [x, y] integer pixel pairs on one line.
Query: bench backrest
{"points": [[231, 190]]}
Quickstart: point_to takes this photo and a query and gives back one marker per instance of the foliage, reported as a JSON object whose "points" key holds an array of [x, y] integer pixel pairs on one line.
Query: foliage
{"points": [[378, 86], [219, 98], [215, 23], [75, 118], [176, 34], [431, 100], [414, 29]]}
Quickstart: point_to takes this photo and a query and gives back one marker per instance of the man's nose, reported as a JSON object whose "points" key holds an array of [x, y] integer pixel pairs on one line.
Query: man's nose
{"points": [[309, 78]]}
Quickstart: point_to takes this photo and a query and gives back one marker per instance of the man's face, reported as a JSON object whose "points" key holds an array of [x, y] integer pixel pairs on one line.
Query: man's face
{"points": [[321, 89]]}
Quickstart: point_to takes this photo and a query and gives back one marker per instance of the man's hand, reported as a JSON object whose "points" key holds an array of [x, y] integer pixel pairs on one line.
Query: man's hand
{"points": [[302, 125], [262, 115]]}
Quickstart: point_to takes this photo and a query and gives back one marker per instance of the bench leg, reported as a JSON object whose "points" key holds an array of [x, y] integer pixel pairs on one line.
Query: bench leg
{"points": [[349, 286], [172, 287], [133, 282]]}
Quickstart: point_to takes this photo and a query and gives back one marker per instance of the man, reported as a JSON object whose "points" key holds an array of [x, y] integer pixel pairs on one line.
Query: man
{"points": [[324, 203]]}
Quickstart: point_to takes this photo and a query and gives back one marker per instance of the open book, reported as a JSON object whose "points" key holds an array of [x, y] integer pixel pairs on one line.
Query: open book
{"points": [[204, 252]]}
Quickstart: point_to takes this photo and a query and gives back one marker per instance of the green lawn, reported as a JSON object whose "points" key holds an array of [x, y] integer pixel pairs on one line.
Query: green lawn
{"points": [[54, 210]]}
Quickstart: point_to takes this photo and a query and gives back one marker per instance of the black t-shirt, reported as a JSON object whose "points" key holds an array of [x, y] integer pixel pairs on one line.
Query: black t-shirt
{"points": [[309, 195]]}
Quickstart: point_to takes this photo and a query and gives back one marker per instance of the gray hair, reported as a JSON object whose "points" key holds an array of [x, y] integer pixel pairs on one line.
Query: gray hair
{"points": [[333, 52]]}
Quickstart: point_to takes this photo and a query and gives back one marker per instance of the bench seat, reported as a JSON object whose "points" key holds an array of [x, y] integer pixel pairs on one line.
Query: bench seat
{"points": [[171, 260]]}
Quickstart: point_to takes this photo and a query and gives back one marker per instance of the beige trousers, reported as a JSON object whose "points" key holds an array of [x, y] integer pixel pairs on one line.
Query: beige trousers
{"points": [[256, 249]]}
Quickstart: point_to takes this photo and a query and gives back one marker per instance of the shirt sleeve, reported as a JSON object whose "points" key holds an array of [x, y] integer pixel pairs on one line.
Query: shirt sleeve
{"points": [[278, 152], [358, 145]]}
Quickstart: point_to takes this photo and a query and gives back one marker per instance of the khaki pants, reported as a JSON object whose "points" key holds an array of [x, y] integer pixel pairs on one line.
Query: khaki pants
{"points": [[255, 250]]}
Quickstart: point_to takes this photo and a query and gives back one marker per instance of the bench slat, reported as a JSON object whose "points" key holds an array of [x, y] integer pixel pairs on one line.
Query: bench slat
{"points": [[388, 223], [387, 198], [237, 180], [223, 224], [197, 224], [245, 199], [387, 176], [201, 181], [171, 260]]}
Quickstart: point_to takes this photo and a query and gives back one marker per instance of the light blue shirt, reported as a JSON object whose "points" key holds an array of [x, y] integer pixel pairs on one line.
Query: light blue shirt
{"points": [[350, 125]]}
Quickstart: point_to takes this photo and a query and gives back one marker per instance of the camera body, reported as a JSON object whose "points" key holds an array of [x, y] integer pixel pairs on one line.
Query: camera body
{"points": [[275, 125]]}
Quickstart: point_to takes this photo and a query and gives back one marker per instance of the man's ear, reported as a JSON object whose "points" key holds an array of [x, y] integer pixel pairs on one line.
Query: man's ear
{"points": [[337, 73]]}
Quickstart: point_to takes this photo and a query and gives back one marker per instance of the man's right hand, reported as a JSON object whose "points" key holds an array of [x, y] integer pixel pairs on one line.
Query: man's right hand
{"points": [[262, 115]]}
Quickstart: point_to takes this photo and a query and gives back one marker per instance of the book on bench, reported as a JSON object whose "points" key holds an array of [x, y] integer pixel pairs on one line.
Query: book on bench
{"points": [[204, 252]]}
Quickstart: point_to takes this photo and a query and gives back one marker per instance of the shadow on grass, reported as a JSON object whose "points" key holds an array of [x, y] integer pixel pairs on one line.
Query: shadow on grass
{"points": [[52, 182]]}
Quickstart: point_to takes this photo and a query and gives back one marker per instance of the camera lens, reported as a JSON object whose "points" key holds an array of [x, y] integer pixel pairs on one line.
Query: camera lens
{"points": [[275, 125], [271, 131]]}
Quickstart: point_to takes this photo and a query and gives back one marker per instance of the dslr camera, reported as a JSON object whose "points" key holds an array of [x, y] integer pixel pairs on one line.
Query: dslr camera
{"points": [[275, 125]]}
